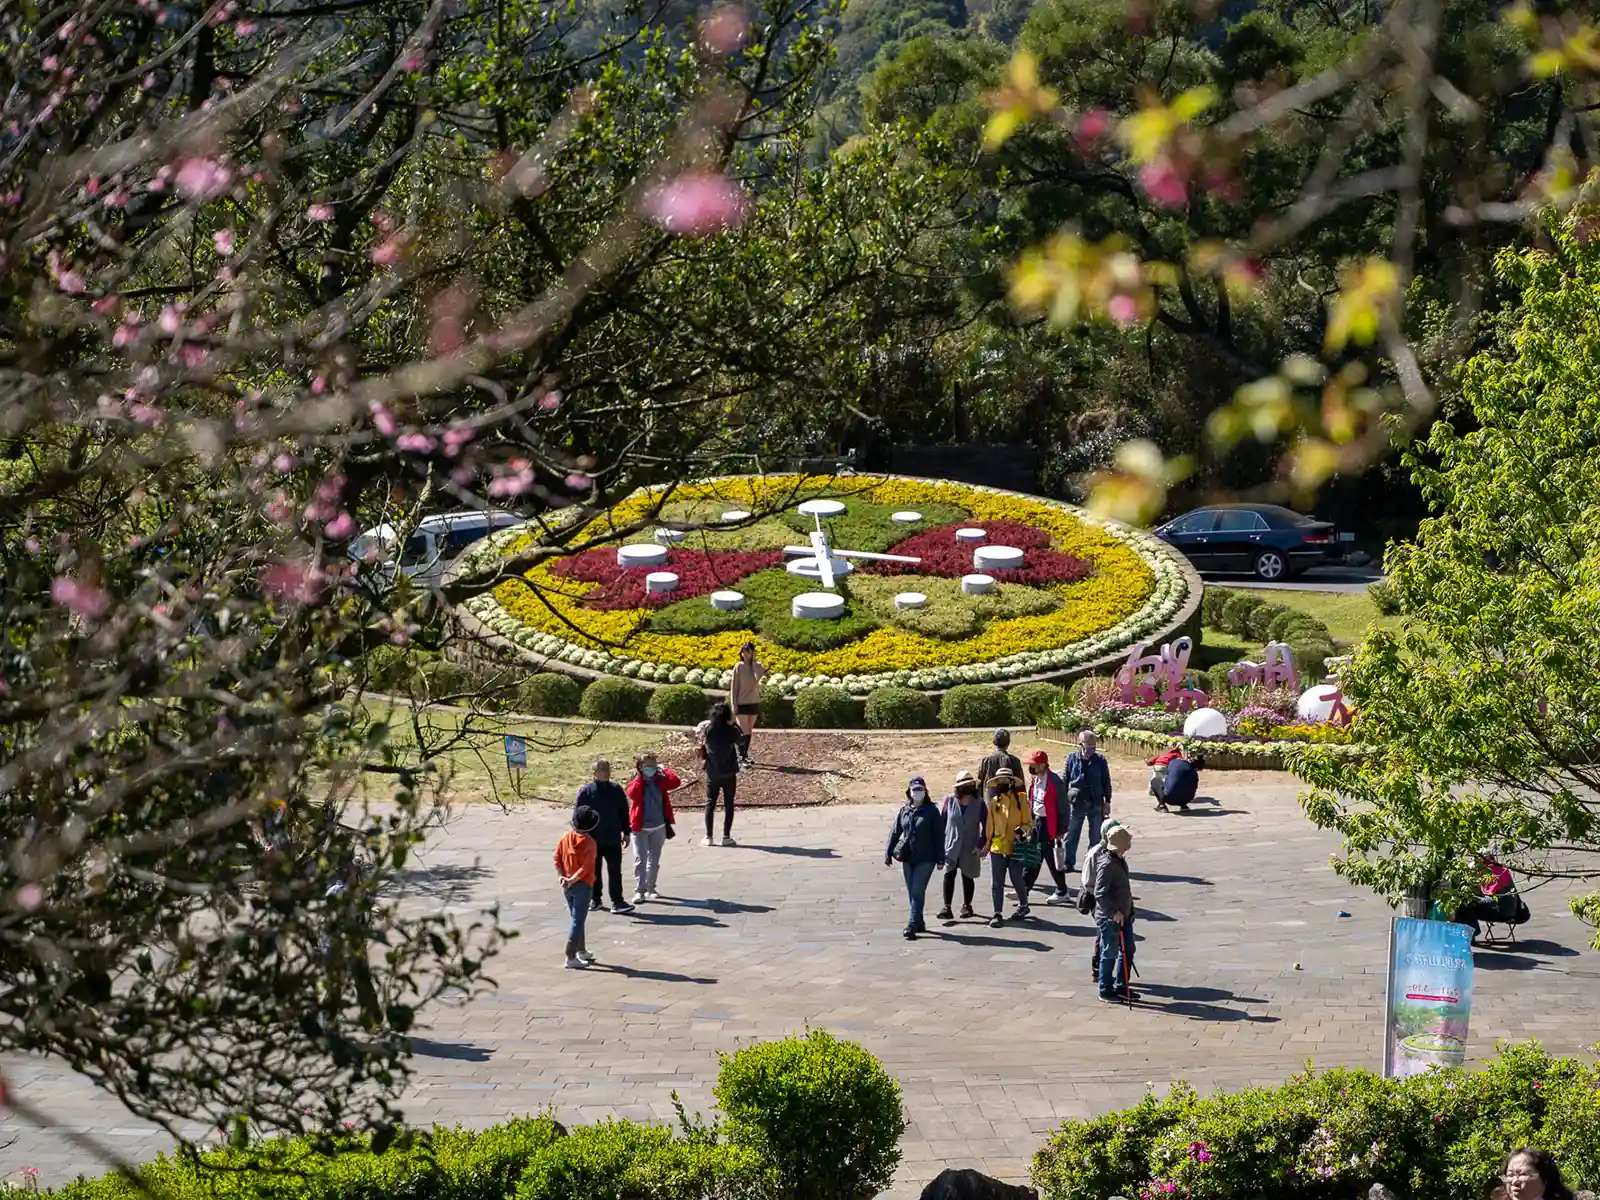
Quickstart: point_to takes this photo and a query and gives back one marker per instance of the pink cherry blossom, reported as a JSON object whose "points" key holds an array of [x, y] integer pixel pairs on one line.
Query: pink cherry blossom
{"points": [[222, 239], [1124, 309], [244, 28], [1163, 183], [171, 318], [202, 179], [1093, 126], [146, 414], [550, 401], [725, 30], [389, 251], [106, 306], [320, 212], [415, 443], [301, 582], [30, 898], [578, 482], [83, 599], [697, 203], [192, 354], [119, 198], [341, 527], [411, 63], [49, 63], [382, 419]]}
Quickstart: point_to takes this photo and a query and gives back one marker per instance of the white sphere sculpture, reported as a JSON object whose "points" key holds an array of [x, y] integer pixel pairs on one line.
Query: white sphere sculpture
{"points": [[1205, 722], [727, 601], [970, 535], [909, 600], [996, 558], [661, 581], [822, 508], [1312, 706], [905, 518], [641, 554], [817, 606], [977, 585]]}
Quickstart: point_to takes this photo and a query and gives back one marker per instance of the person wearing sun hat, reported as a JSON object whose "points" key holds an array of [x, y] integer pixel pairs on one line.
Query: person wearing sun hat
{"points": [[916, 842], [575, 863], [1086, 889], [1009, 819], [966, 820], [1113, 915]]}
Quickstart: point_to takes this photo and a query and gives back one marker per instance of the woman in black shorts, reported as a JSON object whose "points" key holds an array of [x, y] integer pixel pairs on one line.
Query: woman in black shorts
{"points": [[744, 693]]}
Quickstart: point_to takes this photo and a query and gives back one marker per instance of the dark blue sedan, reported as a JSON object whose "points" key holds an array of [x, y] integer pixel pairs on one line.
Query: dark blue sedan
{"points": [[1266, 540]]}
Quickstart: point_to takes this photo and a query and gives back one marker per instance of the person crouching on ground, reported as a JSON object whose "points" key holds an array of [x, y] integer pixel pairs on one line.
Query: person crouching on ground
{"points": [[1047, 801], [611, 836], [965, 821], [650, 817], [1113, 916], [575, 860], [1008, 818], [916, 842], [1179, 781]]}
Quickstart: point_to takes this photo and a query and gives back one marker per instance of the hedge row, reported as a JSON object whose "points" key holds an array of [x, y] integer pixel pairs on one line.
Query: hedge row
{"points": [[426, 676], [1263, 621], [809, 1118]]}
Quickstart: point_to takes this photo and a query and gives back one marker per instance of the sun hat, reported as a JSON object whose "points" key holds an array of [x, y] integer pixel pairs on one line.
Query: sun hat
{"points": [[964, 779], [1004, 773], [1119, 838], [585, 819]]}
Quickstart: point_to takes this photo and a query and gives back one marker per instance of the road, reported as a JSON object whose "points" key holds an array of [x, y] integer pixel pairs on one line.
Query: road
{"points": [[1317, 579]]}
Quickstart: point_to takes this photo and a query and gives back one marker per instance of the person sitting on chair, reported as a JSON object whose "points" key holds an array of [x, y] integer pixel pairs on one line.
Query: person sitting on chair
{"points": [[1498, 902]]}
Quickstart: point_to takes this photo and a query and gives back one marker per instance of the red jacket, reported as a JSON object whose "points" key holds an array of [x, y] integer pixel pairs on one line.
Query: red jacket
{"points": [[1052, 799], [669, 783], [1165, 757]]}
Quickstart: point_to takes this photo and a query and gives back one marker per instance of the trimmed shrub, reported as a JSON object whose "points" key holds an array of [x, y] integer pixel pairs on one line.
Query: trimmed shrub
{"points": [[774, 714], [1385, 597], [900, 708], [614, 699], [1236, 613], [451, 1164], [1211, 602], [1030, 701], [641, 1162], [441, 678], [1215, 682], [1308, 656], [549, 695], [678, 704], [974, 705], [1283, 622], [1437, 1136], [1260, 621], [823, 707], [391, 668], [823, 1115]]}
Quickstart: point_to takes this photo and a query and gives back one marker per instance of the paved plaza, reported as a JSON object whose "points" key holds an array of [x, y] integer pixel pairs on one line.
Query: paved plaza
{"points": [[1249, 967]]}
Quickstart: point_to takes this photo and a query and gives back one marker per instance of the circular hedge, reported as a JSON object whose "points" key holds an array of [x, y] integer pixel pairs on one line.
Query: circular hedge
{"points": [[823, 708], [614, 700], [549, 695], [974, 705], [677, 704], [900, 708], [1085, 591]]}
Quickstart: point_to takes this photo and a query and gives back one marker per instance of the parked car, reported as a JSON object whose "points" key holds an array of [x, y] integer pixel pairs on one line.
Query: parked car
{"points": [[1268, 540], [432, 545]]}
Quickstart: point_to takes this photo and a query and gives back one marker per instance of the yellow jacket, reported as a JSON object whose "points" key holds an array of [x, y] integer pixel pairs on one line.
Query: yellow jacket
{"points": [[1008, 812]]}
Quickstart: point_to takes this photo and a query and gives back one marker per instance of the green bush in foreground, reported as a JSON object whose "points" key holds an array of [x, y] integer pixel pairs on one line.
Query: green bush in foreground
{"points": [[1211, 601], [822, 1114], [775, 714], [613, 699], [1031, 701], [678, 704], [451, 1164], [549, 695], [640, 1162], [974, 706], [1331, 1136], [823, 707], [900, 708]]}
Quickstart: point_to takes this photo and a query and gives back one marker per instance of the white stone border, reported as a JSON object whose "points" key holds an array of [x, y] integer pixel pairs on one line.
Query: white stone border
{"points": [[1173, 576]]}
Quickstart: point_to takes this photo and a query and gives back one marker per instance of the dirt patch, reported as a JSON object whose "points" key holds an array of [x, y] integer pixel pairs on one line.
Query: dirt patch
{"points": [[792, 771]]}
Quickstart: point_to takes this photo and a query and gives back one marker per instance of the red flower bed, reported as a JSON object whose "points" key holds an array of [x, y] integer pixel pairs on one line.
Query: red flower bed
{"points": [[699, 572], [942, 555]]}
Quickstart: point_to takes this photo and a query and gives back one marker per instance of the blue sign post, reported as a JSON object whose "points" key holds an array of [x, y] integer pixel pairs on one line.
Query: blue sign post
{"points": [[1430, 996], [516, 759]]}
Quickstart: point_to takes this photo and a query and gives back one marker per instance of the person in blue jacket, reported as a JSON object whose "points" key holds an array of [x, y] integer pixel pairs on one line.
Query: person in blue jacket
{"points": [[1088, 778], [916, 842], [610, 837]]}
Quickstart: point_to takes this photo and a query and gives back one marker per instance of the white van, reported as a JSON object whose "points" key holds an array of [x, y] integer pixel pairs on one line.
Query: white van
{"points": [[432, 545]]}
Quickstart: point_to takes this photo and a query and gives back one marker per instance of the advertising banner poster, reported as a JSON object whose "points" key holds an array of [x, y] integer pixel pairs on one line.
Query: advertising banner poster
{"points": [[1430, 996], [516, 751]]}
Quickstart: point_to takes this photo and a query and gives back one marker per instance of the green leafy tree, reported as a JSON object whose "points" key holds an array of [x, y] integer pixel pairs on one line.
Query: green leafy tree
{"points": [[1485, 706]]}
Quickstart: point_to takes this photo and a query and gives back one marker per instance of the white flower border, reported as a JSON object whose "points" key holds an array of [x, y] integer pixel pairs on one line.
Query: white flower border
{"points": [[1172, 592]]}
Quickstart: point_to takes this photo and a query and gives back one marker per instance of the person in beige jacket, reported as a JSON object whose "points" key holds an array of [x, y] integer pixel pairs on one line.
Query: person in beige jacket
{"points": [[744, 693]]}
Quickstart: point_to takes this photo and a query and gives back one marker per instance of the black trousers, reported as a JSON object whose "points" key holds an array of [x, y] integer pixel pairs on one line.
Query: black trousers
{"points": [[608, 857], [1049, 860], [726, 787], [968, 887]]}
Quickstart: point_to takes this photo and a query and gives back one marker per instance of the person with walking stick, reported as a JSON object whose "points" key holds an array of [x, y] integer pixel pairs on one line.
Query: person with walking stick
{"points": [[1113, 917]]}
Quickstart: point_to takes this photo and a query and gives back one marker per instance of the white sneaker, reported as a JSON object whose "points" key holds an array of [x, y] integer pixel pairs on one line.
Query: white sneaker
{"points": [[705, 841], [655, 895], [589, 960], [1058, 898], [728, 841], [640, 897], [575, 964]]}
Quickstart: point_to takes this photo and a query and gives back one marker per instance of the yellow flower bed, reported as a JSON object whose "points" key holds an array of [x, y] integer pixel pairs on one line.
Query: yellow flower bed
{"points": [[1121, 584]]}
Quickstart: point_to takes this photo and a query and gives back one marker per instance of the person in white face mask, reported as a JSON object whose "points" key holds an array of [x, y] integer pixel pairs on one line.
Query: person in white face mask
{"points": [[916, 842], [650, 820]]}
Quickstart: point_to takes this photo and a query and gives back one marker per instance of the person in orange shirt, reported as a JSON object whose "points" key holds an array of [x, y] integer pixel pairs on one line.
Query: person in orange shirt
{"points": [[575, 861]]}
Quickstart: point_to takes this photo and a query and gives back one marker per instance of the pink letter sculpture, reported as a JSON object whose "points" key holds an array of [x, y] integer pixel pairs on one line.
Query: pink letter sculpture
{"points": [[1276, 671], [1164, 681]]}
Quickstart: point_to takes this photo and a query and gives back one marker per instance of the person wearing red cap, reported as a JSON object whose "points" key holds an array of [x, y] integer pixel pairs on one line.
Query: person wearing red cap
{"points": [[1045, 794]]}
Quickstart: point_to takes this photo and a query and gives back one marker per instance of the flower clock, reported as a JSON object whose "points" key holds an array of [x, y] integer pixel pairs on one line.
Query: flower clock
{"points": [[934, 584]]}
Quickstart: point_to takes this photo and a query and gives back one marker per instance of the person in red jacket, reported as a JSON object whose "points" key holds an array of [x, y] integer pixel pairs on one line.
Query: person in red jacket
{"points": [[1045, 795], [650, 819]]}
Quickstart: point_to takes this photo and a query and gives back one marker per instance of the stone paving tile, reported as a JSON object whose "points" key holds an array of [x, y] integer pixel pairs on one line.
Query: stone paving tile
{"points": [[995, 1035]]}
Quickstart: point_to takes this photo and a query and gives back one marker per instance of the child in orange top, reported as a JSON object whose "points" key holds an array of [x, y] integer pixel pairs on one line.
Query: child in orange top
{"points": [[575, 860]]}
